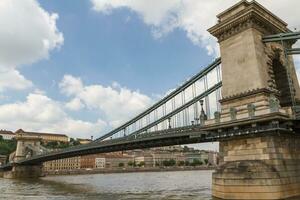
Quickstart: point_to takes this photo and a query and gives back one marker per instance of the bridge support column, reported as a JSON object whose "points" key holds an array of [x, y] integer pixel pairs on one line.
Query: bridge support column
{"points": [[23, 171], [266, 167]]}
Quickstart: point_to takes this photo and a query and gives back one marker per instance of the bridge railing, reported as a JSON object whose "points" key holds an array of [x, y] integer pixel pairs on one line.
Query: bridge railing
{"points": [[180, 108]]}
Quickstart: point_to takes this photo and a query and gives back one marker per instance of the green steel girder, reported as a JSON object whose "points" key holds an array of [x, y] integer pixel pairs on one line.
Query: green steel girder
{"points": [[281, 37], [293, 51], [201, 74]]}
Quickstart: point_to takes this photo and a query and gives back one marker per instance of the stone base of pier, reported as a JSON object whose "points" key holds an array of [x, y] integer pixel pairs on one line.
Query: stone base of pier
{"points": [[259, 168], [21, 171]]}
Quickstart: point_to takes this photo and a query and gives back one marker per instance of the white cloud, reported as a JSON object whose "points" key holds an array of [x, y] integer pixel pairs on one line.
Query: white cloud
{"points": [[71, 85], [12, 79], [192, 16], [40, 113], [75, 104], [27, 34], [116, 102]]}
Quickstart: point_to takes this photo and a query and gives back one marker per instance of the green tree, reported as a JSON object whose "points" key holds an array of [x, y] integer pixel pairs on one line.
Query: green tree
{"points": [[172, 162], [206, 161], [74, 142], [141, 164], [196, 162], [131, 163], [1, 137], [7, 146], [121, 164], [181, 163], [187, 163], [169, 163]]}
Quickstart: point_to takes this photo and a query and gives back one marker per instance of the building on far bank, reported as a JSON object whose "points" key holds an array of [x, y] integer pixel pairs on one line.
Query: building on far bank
{"points": [[105, 160], [46, 137], [7, 135], [168, 148], [201, 156], [84, 141], [63, 164], [147, 158], [2, 159], [117, 160]]}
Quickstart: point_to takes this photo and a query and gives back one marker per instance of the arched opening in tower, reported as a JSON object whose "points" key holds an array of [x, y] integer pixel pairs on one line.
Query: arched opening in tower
{"points": [[282, 83]]}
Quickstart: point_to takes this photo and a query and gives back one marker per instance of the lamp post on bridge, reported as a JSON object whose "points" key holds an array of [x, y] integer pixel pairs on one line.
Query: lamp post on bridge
{"points": [[203, 116], [169, 121]]}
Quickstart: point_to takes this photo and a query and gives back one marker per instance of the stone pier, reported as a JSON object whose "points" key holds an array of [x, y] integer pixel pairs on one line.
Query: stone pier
{"points": [[259, 81], [27, 146], [23, 172], [266, 167]]}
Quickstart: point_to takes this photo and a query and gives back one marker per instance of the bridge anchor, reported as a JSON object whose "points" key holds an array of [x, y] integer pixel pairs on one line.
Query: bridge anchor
{"points": [[257, 83], [264, 167], [23, 171]]}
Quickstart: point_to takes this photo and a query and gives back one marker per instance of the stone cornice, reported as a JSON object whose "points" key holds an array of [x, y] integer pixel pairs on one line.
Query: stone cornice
{"points": [[252, 16], [248, 94]]}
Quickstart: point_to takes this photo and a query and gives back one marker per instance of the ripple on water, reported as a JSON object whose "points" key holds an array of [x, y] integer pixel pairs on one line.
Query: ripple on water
{"points": [[186, 185]]}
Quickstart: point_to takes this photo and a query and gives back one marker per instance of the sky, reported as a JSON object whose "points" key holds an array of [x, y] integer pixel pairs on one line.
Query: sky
{"points": [[84, 67]]}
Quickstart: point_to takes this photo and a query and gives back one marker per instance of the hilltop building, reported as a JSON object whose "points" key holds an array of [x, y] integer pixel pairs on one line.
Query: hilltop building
{"points": [[7, 135], [45, 137]]}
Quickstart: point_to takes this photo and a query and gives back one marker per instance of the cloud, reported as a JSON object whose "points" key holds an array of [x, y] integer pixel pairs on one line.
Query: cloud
{"points": [[71, 85], [75, 104], [116, 102], [40, 113], [27, 34], [192, 16], [12, 79]]}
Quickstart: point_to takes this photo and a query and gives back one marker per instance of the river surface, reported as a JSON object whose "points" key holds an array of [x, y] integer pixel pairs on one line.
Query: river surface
{"points": [[183, 185]]}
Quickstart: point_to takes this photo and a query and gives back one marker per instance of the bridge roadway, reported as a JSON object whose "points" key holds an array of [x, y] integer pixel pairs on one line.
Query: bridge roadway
{"points": [[172, 136]]}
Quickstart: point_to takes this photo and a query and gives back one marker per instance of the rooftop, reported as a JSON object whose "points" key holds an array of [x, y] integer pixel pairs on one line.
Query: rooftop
{"points": [[20, 131], [7, 132]]}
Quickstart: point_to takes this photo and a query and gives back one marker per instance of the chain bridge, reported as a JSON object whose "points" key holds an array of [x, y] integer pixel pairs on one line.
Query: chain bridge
{"points": [[247, 100]]}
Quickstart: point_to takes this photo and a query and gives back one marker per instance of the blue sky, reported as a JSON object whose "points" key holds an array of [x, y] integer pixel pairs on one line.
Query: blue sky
{"points": [[83, 67], [119, 47]]}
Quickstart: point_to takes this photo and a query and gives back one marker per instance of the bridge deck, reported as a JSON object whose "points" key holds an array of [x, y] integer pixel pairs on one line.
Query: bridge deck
{"points": [[184, 135]]}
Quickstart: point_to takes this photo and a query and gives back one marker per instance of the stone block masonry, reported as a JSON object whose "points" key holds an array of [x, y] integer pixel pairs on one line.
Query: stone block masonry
{"points": [[266, 167]]}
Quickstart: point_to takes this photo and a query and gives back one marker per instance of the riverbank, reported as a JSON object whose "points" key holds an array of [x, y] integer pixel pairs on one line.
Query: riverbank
{"points": [[124, 170]]}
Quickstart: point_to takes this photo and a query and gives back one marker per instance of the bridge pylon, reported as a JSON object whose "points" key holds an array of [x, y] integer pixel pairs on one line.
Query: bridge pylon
{"points": [[27, 146], [259, 83]]}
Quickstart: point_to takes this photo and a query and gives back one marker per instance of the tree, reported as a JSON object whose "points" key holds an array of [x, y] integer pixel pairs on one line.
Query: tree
{"points": [[51, 145], [181, 163], [74, 142], [121, 164], [131, 163], [172, 162], [168, 163], [206, 161], [187, 163], [7, 146], [141, 164], [1, 137], [196, 162]]}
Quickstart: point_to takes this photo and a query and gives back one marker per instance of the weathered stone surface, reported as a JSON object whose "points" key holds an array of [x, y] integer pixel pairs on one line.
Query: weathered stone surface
{"points": [[20, 172], [269, 171], [265, 167]]}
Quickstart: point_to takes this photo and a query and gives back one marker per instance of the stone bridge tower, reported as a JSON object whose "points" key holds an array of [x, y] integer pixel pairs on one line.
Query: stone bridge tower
{"points": [[256, 77], [27, 146]]}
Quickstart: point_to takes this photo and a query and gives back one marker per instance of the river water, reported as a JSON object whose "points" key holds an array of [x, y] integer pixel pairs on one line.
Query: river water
{"points": [[183, 185]]}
